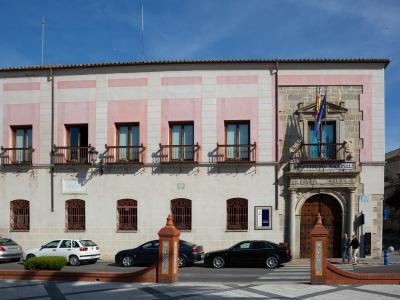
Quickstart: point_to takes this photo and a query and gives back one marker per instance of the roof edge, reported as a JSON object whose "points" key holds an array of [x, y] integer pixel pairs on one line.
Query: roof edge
{"points": [[384, 61]]}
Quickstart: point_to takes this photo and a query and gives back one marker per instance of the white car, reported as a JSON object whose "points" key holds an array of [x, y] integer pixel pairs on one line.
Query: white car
{"points": [[74, 251]]}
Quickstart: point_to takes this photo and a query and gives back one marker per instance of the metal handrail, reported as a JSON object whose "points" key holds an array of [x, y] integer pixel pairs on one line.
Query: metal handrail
{"points": [[236, 153], [16, 155], [179, 153], [124, 154]]}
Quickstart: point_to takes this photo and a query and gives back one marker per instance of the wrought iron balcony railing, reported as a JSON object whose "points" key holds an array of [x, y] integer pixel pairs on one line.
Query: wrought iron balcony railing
{"points": [[16, 156], [236, 153], [71, 155], [124, 154], [323, 152], [179, 153]]}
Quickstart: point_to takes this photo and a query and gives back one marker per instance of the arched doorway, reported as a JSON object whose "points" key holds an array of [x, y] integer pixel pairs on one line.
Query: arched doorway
{"points": [[331, 213]]}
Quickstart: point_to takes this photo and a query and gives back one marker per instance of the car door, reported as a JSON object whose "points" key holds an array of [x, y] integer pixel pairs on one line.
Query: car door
{"points": [[65, 248], [261, 251], [240, 254], [147, 253], [50, 249]]}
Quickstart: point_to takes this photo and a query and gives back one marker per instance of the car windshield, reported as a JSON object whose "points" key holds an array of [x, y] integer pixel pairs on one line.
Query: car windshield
{"points": [[7, 242], [87, 243]]}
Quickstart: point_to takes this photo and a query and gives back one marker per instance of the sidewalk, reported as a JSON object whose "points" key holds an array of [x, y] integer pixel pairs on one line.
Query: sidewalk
{"points": [[393, 259]]}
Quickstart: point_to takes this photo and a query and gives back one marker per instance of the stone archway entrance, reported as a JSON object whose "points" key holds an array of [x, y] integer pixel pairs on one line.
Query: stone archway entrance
{"points": [[332, 215]]}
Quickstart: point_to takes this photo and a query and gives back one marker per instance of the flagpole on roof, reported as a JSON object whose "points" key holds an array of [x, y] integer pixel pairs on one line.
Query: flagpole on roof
{"points": [[142, 36], [43, 40]]}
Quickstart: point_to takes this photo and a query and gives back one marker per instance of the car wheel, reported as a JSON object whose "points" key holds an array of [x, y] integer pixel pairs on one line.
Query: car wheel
{"points": [[29, 256], [181, 261], [271, 262], [127, 261], [218, 262], [74, 260]]}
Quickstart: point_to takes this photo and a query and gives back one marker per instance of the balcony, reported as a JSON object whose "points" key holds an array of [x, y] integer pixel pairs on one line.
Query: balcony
{"points": [[71, 155], [320, 153], [124, 154], [16, 156], [241, 153], [179, 153]]}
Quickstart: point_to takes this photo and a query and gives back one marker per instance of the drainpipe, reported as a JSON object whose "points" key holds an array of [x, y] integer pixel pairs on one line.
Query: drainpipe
{"points": [[52, 143], [276, 138]]}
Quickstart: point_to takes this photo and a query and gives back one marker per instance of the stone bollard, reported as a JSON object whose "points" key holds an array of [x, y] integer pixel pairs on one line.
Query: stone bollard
{"points": [[318, 252], [168, 249]]}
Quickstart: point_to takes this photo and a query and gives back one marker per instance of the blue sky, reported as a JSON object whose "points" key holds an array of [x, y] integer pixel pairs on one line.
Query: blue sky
{"points": [[80, 31]]}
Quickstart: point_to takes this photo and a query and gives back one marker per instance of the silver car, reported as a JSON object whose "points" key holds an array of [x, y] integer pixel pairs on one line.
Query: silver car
{"points": [[9, 250]]}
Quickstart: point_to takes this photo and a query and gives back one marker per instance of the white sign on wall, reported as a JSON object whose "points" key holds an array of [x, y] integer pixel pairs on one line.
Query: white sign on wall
{"points": [[73, 186]]}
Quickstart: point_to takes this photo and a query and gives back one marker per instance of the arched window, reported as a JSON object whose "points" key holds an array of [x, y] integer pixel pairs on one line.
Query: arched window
{"points": [[19, 215], [182, 213], [75, 214], [236, 214], [127, 214]]}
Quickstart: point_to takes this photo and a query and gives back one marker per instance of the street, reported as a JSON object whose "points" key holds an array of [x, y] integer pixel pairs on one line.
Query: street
{"points": [[290, 273]]}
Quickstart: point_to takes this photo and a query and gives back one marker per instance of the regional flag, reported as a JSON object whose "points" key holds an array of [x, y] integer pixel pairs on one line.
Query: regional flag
{"points": [[321, 114]]}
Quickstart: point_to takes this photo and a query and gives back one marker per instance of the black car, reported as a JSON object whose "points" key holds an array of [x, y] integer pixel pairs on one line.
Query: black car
{"points": [[147, 254], [249, 254]]}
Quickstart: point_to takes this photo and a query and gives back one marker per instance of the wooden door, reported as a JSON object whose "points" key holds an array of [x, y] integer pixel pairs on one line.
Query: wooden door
{"points": [[331, 213]]}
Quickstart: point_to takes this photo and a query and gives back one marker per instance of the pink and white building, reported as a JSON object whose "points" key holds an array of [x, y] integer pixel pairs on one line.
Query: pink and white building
{"points": [[106, 151]]}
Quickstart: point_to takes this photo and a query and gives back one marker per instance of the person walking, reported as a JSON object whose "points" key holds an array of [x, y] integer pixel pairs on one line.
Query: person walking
{"points": [[355, 244], [345, 252]]}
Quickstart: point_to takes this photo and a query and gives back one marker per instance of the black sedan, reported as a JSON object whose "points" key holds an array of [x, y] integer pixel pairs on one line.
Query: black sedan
{"points": [[147, 254], [249, 254]]}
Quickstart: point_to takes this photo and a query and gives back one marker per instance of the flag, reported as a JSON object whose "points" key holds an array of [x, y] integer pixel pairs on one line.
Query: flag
{"points": [[321, 114], [317, 105]]}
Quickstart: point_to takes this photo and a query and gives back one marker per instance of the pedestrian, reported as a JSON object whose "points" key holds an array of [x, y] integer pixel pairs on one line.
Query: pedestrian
{"points": [[345, 252], [355, 244]]}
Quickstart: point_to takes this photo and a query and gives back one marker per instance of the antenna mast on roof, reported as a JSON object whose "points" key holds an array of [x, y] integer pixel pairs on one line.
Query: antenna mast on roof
{"points": [[42, 40], [142, 36]]}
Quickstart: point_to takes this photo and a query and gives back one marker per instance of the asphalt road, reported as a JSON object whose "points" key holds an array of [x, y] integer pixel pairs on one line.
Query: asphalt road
{"points": [[200, 273]]}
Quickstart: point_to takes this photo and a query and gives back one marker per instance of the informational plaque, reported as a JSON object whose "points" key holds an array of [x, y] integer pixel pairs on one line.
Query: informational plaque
{"points": [[318, 258], [175, 257], [263, 217], [73, 186], [165, 253]]}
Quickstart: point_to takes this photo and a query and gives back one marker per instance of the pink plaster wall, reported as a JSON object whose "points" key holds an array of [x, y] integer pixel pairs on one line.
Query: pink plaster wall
{"points": [[237, 109], [21, 115], [21, 86], [238, 79], [179, 110], [126, 111], [365, 101], [76, 84], [127, 82], [76, 113], [182, 80]]}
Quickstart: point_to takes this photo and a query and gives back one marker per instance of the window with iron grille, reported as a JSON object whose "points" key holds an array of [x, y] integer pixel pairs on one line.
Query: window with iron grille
{"points": [[75, 214], [19, 215], [237, 214], [127, 214], [182, 213]]}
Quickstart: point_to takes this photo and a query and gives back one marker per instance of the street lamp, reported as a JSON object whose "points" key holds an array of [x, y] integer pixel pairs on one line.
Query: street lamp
{"points": [[94, 154]]}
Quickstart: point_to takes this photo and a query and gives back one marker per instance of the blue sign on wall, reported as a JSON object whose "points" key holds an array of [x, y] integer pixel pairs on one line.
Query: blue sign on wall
{"points": [[263, 217]]}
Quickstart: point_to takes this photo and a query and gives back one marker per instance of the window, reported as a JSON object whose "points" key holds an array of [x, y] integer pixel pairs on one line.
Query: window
{"points": [[243, 246], [237, 136], [19, 215], [77, 141], [327, 149], [128, 142], [65, 244], [182, 213], [182, 141], [22, 142], [75, 214], [52, 244], [127, 214], [237, 214], [261, 245]]}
